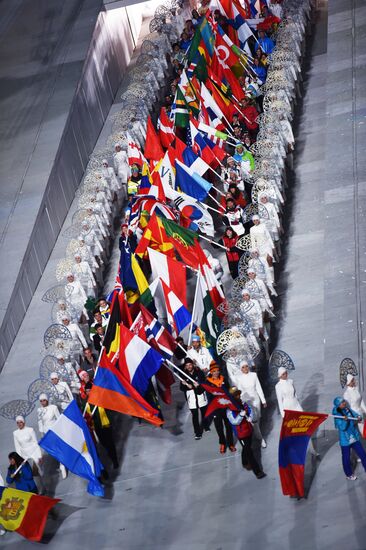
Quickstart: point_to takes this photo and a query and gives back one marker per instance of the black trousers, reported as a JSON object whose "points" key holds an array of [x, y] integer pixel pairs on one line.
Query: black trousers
{"points": [[247, 457], [222, 424], [105, 437], [233, 268], [198, 424]]}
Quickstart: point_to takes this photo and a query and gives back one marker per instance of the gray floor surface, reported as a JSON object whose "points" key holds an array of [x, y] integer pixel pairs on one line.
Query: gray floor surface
{"points": [[174, 493], [43, 46]]}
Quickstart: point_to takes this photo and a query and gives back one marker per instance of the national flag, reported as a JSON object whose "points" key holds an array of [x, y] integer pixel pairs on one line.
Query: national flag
{"points": [[111, 337], [179, 111], [189, 93], [25, 513], [297, 428], [190, 182], [225, 104], [213, 286], [126, 276], [142, 284], [194, 162], [134, 153], [184, 241], [156, 335], [219, 398], [137, 361], [203, 41], [165, 128], [70, 442], [204, 313], [148, 207], [153, 149], [155, 237], [214, 135], [164, 380], [150, 187], [194, 215], [178, 315], [210, 103], [198, 68], [215, 147], [199, 145], [227, 6], [113, 391], [166, 173], [242, 27], [172, 272]]}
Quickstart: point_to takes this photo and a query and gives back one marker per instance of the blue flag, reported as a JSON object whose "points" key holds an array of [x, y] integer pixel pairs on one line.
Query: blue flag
{"points": [[190, 182], [70, 442]]}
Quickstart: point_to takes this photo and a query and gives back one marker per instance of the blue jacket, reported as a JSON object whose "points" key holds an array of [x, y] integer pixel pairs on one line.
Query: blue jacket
{"points": [[347, 429], [23, 480]]}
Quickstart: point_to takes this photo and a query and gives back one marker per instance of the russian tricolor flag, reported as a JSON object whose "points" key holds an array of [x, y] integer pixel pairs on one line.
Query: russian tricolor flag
{"points": [[178, 315]]}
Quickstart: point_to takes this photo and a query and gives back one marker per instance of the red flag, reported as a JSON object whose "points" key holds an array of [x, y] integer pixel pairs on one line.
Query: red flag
{"points": [[297, 428], [164, 380], [153, 148], [166, 129], [156, 335], [228, 10], [134, 154]]}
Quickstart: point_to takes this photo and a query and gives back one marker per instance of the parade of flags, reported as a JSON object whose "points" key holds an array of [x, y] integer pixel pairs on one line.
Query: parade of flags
{"points": [[296, 431], [70, 442]]}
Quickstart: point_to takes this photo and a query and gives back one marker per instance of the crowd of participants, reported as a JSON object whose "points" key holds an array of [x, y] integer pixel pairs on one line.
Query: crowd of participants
{"points": [[244, 185]]}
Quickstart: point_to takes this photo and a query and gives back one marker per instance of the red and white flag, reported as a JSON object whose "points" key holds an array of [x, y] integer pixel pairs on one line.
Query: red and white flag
{"points": [[165, 128]]}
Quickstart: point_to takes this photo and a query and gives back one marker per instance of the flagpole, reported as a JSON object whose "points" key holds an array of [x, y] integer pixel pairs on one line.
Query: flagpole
{"points": [[215, 200], [181, 371], [213, 242], [194, 307]]}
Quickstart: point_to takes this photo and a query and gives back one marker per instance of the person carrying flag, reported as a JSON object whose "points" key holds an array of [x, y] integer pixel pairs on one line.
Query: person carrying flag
{"points": [[349, 435], [242, 422], [195, 396], [220, 418]]}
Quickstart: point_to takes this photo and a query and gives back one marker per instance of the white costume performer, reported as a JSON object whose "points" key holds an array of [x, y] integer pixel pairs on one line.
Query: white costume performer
{"points": [[47, 416], [261, 238], [257, 286], [252, 392], [262, 269], [287, 399], [109, 174], [120, 161], [253, 311], [26, 444], [286, 394], [85, 275], [64, 393], [75, 294], [273, 223], [72, 374], [353, 396]]}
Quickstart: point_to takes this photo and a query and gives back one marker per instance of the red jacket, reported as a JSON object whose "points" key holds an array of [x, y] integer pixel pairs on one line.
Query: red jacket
{"points": [[250, 113], [233, 254]]}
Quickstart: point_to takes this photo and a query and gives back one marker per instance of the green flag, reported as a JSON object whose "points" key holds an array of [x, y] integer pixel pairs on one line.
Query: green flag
{"points": [[174, 230]]}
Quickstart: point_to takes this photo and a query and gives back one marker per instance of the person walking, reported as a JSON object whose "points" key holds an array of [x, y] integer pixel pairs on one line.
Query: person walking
{"points": [[221, 421], [195, 396], [26, 444], [20, 473], [242, 421], [250, 386], [287, 398], [349, 435]]}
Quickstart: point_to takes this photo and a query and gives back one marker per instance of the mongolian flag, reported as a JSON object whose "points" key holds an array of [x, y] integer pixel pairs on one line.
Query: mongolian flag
{"points": [[297, 428], [25, 513], [111, 390]]}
